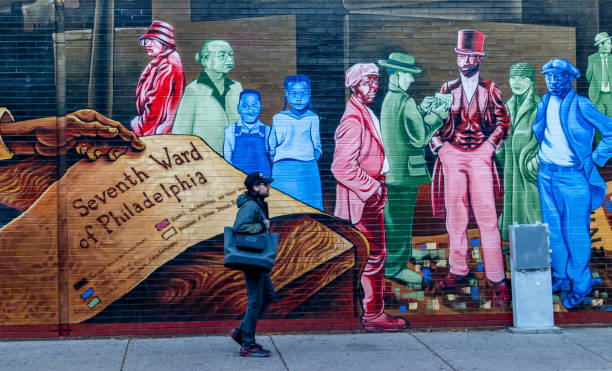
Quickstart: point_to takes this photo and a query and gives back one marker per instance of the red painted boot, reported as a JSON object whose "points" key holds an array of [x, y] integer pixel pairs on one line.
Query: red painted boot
{"points": [[449, 282], [383, 322], [502, 294]]}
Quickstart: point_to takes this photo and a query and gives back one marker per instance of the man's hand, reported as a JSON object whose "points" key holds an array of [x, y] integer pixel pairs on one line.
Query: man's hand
{"points": [[87, 131], [267, 223]]}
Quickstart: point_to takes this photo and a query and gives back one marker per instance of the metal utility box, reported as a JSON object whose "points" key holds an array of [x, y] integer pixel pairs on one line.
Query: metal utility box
{"points": [[532, 305]]}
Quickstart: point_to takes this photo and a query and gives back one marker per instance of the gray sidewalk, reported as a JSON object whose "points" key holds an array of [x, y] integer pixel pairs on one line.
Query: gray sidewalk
{"points": [[573, 349]]}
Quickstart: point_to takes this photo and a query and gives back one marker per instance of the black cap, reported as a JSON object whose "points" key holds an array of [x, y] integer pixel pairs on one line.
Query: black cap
{"points": [[256, 178]]}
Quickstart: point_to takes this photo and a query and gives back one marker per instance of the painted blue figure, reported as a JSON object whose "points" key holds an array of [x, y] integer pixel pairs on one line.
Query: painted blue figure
{"points": [[295, 145], [568, 181], [246, 141]]}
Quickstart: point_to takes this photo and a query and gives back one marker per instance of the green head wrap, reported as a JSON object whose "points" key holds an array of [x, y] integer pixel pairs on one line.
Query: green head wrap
{"points": [[522, 70]]}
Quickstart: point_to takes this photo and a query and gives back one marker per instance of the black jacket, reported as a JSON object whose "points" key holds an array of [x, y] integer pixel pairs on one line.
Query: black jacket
{"points": [[252, 211]]}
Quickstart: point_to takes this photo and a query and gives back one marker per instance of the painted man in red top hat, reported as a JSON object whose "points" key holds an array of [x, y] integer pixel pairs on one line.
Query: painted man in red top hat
{"points": [[161, 84], [360, 166], [465, 176]]}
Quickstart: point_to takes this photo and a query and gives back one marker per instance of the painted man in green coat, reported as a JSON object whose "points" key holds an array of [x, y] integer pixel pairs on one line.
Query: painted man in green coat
{"points": [[406, 130], [518, 155], [210, 103]]}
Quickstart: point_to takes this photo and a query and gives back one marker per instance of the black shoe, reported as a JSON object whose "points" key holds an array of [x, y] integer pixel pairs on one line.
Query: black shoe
{"points": [[253, 351]]}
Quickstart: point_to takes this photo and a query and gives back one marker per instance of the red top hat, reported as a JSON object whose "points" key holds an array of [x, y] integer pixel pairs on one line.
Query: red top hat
{"points": [[162, 31], [470, 42]]}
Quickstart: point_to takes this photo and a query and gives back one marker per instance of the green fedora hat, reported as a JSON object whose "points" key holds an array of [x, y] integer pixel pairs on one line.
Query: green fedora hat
{"points": [[601, 37], [400, 62]]}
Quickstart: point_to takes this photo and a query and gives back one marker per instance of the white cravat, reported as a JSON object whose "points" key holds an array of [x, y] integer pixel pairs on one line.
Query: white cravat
{"points": [[469, 85], [385, 168], [605, 88]]}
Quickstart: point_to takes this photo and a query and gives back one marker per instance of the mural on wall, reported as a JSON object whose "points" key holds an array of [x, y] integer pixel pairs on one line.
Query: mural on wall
{"points": [[599, 75], [476, 125], [210, 103], [246, 141], [518, 155], [569, 183], [161, 84], [360, 166], [406, 131], [295, 145], [145, 239]]}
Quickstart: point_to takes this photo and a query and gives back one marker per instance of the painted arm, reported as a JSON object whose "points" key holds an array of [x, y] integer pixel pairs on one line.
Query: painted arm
{"points": [[185, 114], [436, 141], [315, 136], [601, 122], [228, 143], [154, 116], [345, 165], [500, 115], [420, 129]]}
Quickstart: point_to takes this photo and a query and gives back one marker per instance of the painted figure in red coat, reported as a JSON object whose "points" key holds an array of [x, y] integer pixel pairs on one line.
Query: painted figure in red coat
{"points": [[464, 173], [161, 84], [359, 166]]}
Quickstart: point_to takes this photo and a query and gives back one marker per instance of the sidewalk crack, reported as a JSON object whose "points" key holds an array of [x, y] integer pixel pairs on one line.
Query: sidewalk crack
{"points": [[279, 353], [592, 351], [434, 352], [127, 346]]}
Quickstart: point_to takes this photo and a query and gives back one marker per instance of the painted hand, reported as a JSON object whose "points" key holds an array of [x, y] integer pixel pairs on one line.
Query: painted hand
{"points": [[586, 165], [91, 134]]}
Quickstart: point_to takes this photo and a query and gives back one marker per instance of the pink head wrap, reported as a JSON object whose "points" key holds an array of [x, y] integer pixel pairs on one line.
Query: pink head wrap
{"points": [[359, 71]]}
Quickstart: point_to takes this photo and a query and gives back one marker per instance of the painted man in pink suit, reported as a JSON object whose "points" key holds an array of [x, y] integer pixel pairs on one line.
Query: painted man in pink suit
{"points": [[464, 173], [359, 166]]}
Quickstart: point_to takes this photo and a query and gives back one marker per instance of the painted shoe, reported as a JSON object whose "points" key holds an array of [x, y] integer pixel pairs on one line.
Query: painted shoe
{"points": [[574, 298], [236, 334], [560, 284], [383, 322], [253, 351], [502, 294], [449, 282]]}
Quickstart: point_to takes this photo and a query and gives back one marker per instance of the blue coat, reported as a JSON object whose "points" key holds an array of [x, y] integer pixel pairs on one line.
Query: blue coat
{"points": [[579, 119]]}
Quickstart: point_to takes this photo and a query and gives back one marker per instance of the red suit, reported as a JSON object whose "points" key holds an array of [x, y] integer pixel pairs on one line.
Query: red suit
{"points": [[361, 193], [158, 94], [464, 170]]}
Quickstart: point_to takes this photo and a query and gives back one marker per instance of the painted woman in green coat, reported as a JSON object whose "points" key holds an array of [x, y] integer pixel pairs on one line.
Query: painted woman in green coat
{"points": [[406, 130], [518, 155]]}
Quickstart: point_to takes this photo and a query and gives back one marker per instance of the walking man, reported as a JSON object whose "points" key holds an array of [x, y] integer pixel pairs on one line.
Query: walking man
{"points": [[252, 218]]}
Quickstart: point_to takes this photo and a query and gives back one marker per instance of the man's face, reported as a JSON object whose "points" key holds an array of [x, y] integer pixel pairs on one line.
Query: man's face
{"points": [[404, 79], [298, 95], [220, 58], [249, 108], [558, 82], [519, 84], [606, 46], [153, 47], [366, 89], [262, 190], [468, 64]]}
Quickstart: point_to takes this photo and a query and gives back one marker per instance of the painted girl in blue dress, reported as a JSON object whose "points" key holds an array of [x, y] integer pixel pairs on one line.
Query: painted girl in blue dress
{"points": [[295, 145], [246, 141]]}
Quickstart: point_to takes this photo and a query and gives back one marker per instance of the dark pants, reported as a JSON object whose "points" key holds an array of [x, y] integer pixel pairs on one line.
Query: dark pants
{"points": [[261, 294]]}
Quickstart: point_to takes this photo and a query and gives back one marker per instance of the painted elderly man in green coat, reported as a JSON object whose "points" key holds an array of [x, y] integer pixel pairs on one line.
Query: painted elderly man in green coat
{"points": [[518, 155], [406, 130], [210, 103]]}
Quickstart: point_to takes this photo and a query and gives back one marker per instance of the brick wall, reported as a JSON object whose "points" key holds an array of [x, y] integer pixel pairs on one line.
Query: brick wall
{"points": [[105, 234]]}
